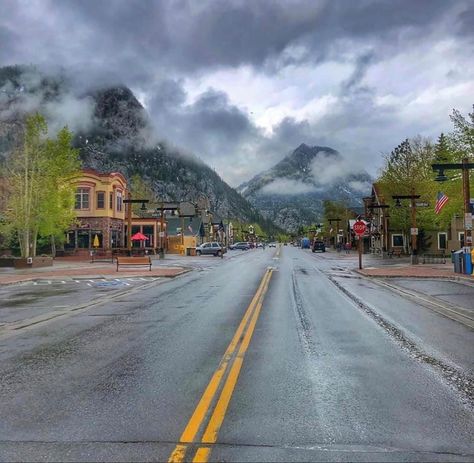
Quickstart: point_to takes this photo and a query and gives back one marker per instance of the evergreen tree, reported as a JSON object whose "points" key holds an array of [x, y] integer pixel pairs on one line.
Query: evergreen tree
{"points": [[442, 150]]}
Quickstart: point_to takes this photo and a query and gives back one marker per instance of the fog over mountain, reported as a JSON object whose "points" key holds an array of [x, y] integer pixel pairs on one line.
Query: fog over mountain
{"points": [[113, 132], [242, 83], [292, 192]]}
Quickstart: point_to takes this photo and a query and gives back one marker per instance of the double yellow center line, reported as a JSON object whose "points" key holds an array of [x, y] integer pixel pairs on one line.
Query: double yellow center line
{"points": [[229, 365]]}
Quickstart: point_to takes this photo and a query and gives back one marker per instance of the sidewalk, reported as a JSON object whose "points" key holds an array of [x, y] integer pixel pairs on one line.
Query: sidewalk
{"points": [[400, 267], [407, 270], [64, 269]]}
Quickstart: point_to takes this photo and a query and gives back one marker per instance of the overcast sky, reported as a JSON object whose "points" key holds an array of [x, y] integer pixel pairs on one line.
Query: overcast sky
{"points": [[241, 83]]}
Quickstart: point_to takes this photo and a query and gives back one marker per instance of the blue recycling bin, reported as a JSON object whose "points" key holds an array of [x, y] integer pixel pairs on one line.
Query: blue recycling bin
{"points": [[467, 263]]}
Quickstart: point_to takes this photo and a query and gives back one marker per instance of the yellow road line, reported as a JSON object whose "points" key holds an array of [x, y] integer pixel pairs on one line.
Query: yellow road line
{"points": [[217, 418], [202, 455], [202, 408]]}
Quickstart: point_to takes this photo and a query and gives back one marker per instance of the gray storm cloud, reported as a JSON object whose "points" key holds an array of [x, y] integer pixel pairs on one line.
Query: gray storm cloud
{"points": [[391, 70]]}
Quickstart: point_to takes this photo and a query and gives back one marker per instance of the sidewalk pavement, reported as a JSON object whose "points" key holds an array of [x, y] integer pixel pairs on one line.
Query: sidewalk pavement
{"points": [[401, 267], [64, 269], [415, 271]]}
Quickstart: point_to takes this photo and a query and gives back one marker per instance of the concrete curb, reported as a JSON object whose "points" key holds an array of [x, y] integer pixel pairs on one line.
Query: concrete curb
{"points": [[466, 279]]}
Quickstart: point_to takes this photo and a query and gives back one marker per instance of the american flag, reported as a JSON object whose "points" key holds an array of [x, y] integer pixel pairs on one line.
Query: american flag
{"points": [[440, 202]]}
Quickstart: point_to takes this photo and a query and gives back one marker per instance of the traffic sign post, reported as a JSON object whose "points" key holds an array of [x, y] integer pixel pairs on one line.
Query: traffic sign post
{"points": [[359, 228]]}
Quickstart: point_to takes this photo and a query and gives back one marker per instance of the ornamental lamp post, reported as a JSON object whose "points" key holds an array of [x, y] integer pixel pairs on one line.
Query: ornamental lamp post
{"points": [[165, 206], [414, 231], [465, 166], [385, 224], [337, 220], [131, 201]]}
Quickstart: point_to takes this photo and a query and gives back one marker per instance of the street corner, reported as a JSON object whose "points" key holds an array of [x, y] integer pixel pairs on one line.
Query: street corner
{"points": [[88, 273]]}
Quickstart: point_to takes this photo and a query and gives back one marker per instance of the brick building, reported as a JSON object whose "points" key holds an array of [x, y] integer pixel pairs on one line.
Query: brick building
{"points": [[99, 210]]}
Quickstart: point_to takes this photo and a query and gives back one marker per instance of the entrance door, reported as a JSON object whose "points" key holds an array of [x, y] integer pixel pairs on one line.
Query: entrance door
{"points": [[83, 239]]}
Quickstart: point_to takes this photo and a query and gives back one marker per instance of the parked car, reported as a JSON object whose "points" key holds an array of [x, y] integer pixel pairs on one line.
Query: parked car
{"points": [[212, 247], [272, 245], [319, 245], [240, 245]]}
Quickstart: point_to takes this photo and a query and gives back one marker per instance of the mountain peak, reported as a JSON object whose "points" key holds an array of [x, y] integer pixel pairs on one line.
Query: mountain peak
{"points": [[301, 158], [300, 182]]}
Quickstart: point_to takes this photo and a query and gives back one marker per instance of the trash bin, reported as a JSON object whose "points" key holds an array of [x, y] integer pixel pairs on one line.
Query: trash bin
{"points": [[452, 255], [467, 263], [190, 251], [458, 261]]}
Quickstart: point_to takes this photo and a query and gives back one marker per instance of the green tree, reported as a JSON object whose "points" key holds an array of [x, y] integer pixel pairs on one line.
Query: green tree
{"points": [[445, 152], [335, 210], [141, 189], [41, 191], [462, 138], [407, 170], [442, 150]]}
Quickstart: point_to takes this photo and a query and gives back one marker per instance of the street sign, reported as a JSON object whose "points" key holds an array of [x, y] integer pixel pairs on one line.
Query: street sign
{"points": [[359, 227], [413, 231], [468, 221]]}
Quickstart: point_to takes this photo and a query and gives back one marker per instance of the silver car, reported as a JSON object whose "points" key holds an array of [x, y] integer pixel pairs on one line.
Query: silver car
{"points": [[212, 247]]}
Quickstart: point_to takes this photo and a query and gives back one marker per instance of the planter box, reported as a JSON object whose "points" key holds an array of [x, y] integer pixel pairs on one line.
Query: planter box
{"points": [[35, 262]]}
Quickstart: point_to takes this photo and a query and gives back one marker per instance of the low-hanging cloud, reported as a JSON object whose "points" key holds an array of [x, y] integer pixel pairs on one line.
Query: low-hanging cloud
{"points": [[51, 95], [287, 187], [347, 75], [328, 169]]}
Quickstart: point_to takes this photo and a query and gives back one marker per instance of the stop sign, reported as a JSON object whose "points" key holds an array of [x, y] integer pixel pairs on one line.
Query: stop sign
{"points": [[359, 227]]}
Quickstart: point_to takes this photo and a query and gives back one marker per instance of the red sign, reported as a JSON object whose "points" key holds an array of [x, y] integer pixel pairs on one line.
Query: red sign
{"points": [[359, 227]]}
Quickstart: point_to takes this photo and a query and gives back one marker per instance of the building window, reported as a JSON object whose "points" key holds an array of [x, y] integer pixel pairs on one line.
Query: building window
{"points": [[397, 241], [442, 240], [101, 200], [111, 200], [119, 201], [82, 198], [461, 239]]}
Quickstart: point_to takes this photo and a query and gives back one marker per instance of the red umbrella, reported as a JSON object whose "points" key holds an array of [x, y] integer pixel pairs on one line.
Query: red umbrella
{"points": [[138, 237]]}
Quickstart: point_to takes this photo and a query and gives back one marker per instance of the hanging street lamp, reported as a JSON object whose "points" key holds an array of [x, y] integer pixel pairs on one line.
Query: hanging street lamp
{"points": [[465, 166]]}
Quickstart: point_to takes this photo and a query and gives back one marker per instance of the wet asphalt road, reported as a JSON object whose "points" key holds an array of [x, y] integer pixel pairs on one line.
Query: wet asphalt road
{"points": [[334, 368]]}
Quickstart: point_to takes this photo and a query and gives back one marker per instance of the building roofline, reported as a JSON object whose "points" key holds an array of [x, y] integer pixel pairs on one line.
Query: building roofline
{"points": [[91, 171]]}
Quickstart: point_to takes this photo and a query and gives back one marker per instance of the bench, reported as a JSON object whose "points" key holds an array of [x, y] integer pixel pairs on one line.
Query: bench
{"points": [[394, 252], [133, 261], [102, 256]]}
